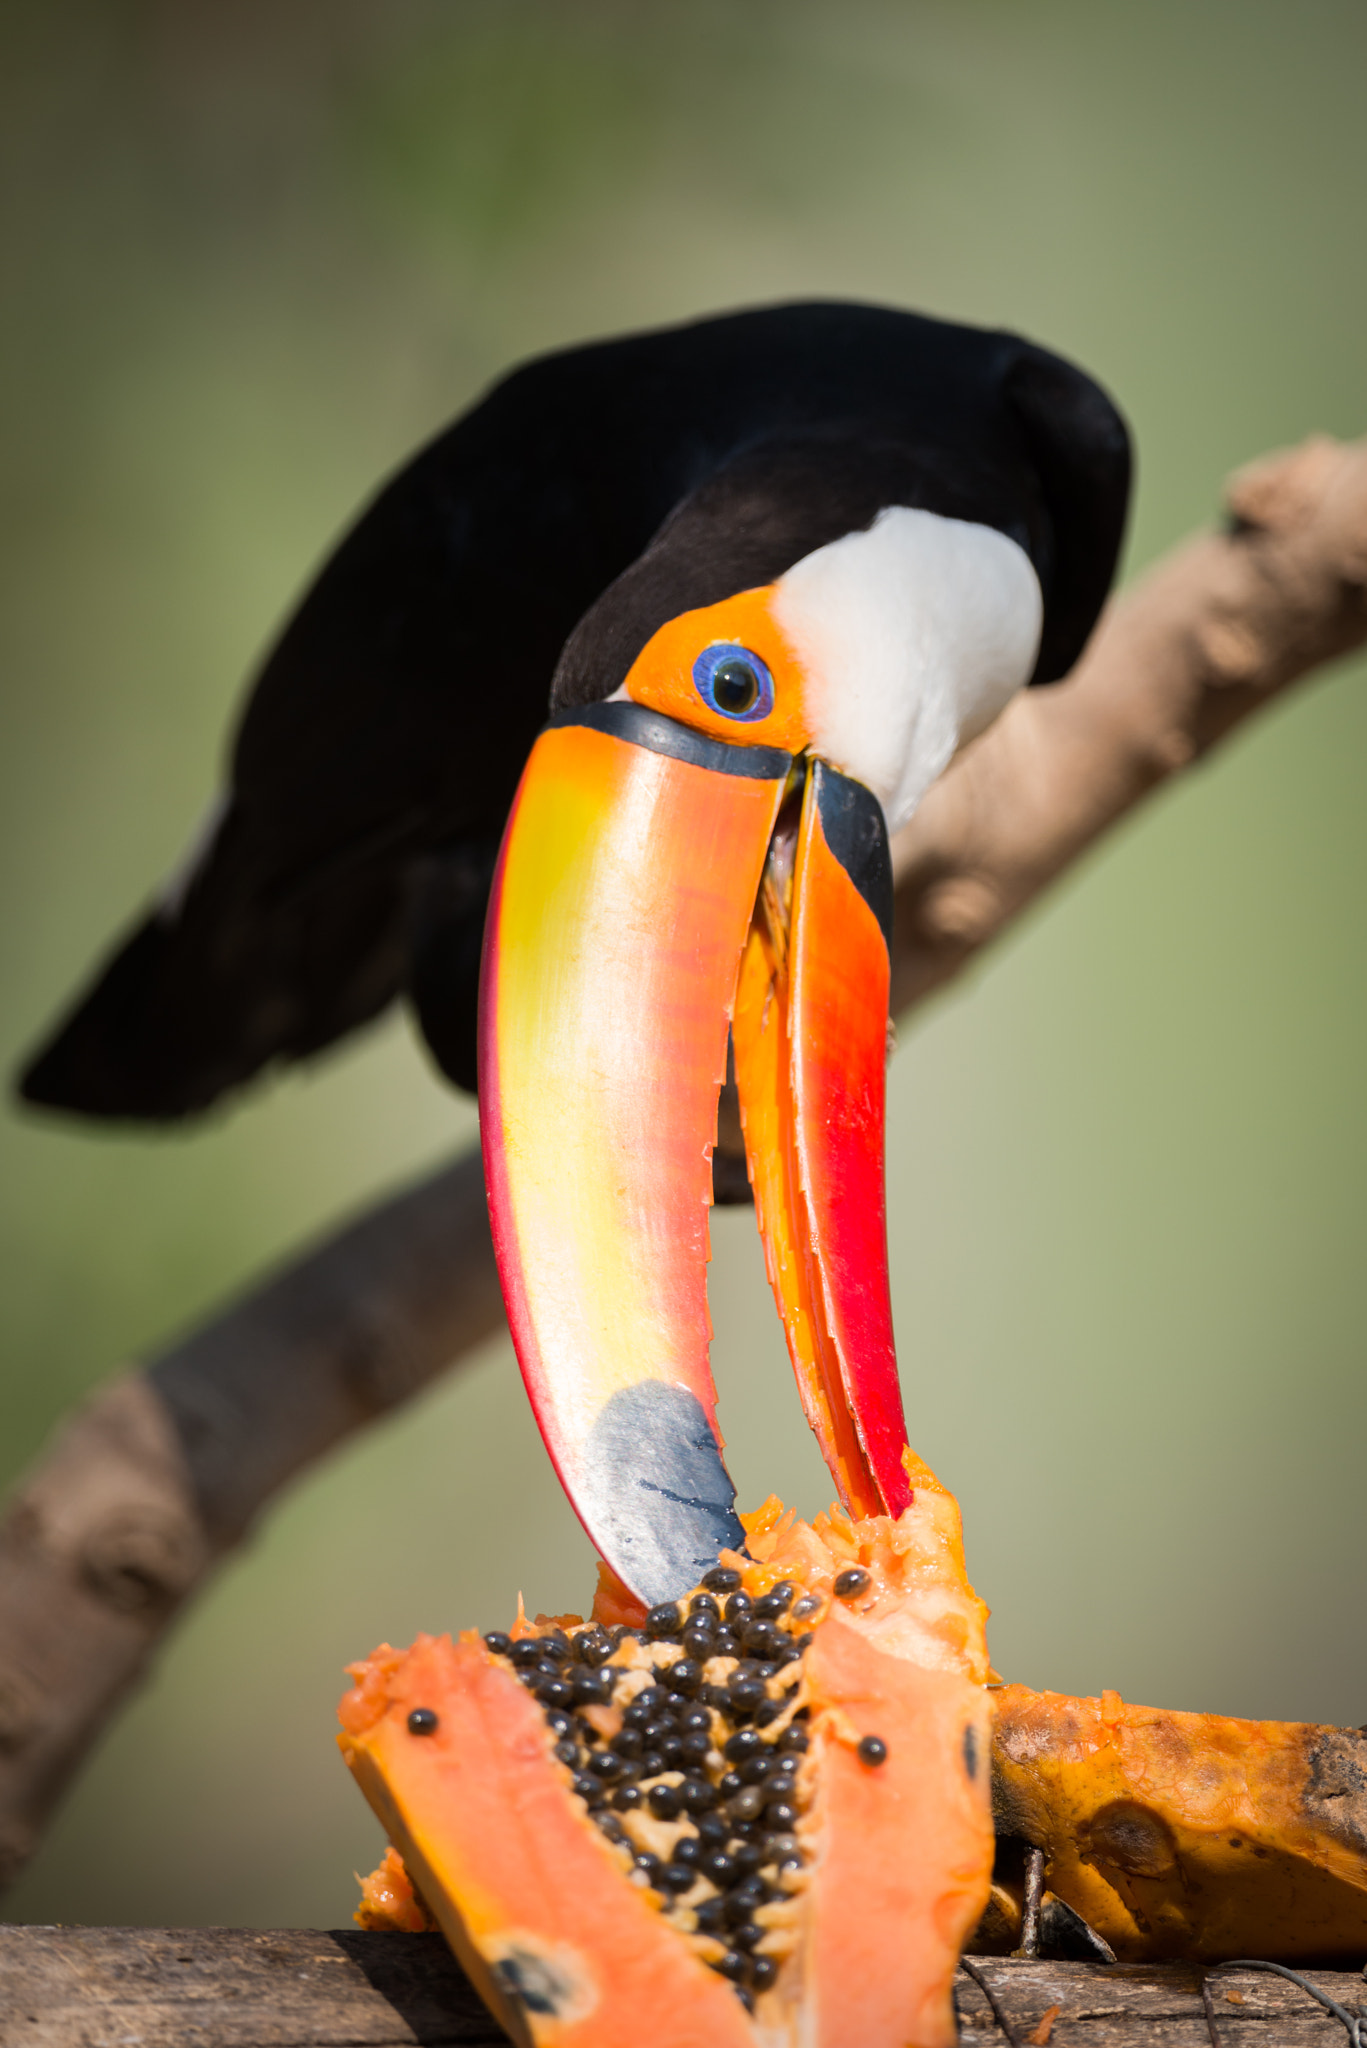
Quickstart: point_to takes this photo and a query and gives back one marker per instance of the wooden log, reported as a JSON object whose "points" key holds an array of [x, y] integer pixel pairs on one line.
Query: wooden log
{"points": [[242, 1987]]}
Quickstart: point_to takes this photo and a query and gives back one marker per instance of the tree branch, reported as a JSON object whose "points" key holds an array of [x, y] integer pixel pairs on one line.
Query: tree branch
{"points": [[162, 1472]]}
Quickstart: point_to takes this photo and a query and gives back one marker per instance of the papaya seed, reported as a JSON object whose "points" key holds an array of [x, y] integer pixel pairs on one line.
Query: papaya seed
{"points": [[422, 1721]]}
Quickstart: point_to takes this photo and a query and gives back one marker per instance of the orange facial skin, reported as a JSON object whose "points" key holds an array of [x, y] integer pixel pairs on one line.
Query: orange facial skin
{"points": [[662, 674]]}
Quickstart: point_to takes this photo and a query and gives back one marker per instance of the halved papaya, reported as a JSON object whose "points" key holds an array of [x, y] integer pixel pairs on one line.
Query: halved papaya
{"points": [[761, 1813], [1189, 1835]]}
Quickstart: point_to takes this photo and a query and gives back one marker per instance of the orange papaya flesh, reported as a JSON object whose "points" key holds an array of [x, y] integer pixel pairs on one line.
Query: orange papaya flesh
{"points": [[389, 1902], [764, 1817], [1189, 1835]]}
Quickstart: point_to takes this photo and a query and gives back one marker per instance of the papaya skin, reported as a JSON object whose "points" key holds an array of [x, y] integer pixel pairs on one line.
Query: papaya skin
{"points": [[1190, 1836]]}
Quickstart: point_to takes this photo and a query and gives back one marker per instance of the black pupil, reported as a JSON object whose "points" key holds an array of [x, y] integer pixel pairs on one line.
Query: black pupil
{"points": [[735, 686]]}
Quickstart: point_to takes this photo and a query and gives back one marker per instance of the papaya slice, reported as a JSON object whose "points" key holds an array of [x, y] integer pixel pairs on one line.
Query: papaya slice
{"points": [[1192, 1836], [760, 1813]]}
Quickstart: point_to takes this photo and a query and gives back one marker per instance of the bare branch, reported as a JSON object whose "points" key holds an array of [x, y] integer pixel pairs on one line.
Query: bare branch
{"points": [[145, 1488]]}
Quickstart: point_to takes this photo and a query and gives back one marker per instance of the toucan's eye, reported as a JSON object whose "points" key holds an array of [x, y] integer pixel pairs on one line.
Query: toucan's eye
{"points": [[732, 680]]}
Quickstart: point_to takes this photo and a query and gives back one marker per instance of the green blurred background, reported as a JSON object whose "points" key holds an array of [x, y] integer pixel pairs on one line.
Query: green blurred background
{"points": [[252, 255]]}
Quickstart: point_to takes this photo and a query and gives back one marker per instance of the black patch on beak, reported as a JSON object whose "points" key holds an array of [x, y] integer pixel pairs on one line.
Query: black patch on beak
{"points": [[658, 1489], [661, 735], [857, 834]]}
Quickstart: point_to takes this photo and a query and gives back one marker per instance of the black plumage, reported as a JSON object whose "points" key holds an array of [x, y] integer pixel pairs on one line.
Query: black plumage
{"points": [[522, 559]]}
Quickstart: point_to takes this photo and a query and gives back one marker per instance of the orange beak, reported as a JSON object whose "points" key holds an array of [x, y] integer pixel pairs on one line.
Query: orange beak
{"points": [[627, 923]]}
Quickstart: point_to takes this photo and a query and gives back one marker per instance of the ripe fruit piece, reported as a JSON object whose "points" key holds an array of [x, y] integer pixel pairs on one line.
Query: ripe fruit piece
{"points": [[1189, 1835], [758, 1812]]}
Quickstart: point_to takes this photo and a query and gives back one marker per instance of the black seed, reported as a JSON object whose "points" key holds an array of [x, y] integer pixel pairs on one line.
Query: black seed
{"points": [[780, 1814], [747, 1698], [745, 1995], [767, 1711], [776, 1601], [694, 1716], [657, 1729], [755, 1770], [554, 1692], [748, 1936], [763, 1640], [748, 1857], [649, 1864], [593, 1688], [652, 1697], [809, 1604], [718, 1866], [610, 1825], [743, 1745], [873, 1750], [422, 1721], [568, 1752], [592, 1649], [763, 1971], [637, 1716], [713, 1827], [496, 1641], [697, 1796], [741, 1902], [738, 1608], [559, 1721], [733, 1966], [700, 1644], [652, 1763], [627, 1742], [711, 1914], [685, 1676], [587, 1787], [849, 1583], [803, 1714], [703, 1603], [605, 1764], [747, 1804], [688, 1849], [714, 1696], [696, 1746], [663, 1620], [677, 1703], [664, 1802], [730, 1783], [554, 1649], [671, 1749], [627, 1797], [526, 1653], [726, 1643], [721, 1579], [676, 1877]]}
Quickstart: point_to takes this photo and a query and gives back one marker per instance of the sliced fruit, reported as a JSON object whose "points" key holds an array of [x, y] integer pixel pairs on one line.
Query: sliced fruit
{"points": [[1189, 1835], [760, 1813]]}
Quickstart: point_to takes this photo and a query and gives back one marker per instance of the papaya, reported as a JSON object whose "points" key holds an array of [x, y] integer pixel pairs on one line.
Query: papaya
{"points": [[759, 1813], [1181, 1835]]}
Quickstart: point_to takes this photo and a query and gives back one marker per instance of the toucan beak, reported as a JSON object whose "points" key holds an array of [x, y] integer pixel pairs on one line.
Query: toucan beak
{"points": [[650, 888]]}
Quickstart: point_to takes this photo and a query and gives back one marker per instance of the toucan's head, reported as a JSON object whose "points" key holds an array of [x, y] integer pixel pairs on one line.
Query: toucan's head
{"points": [[699, 846]]}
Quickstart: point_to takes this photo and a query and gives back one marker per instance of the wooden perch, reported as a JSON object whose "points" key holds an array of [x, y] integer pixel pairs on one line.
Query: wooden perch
{"points": [[230, 1987], [147, 1487]]}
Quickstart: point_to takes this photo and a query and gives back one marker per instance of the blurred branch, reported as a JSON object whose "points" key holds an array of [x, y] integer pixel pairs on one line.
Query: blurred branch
{"points": [[147, 1487]]}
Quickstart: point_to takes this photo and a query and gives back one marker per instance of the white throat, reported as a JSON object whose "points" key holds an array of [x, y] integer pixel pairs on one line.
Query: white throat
{"points": [[913, 636]]}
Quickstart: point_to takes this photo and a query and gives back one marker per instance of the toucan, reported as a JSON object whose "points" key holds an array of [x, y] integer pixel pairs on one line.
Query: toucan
{"points": [[589, 738]]}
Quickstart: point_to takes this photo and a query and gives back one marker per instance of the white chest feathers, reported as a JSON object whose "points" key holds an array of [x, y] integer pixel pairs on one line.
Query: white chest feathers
{"points": [[913, 635]]}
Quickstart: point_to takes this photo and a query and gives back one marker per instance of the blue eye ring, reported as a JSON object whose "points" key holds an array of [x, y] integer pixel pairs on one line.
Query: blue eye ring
{"points": [[734, 682]]}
